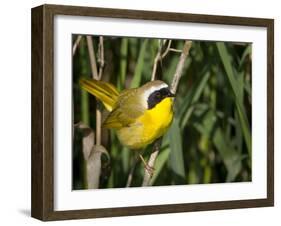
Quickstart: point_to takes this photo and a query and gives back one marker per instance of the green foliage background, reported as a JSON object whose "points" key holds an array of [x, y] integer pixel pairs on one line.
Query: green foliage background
{"points": [[210, 137]]}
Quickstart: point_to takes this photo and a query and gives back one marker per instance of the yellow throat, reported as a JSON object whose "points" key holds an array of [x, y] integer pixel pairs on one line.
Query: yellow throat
{"points": [[148, 127]]}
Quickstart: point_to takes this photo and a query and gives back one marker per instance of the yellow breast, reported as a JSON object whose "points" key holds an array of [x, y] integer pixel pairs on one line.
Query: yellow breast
{"points": [[148, 127], [157, 120]]}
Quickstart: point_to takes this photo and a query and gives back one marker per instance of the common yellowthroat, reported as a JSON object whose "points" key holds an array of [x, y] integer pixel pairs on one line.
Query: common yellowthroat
{"points": [[139, 115]]}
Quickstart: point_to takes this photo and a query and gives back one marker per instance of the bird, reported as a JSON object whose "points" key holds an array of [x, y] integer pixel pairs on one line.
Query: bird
{"points": [[139, 115]]}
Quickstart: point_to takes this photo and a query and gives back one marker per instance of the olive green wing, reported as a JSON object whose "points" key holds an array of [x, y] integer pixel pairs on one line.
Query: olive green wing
{"points": [[126, 110]]}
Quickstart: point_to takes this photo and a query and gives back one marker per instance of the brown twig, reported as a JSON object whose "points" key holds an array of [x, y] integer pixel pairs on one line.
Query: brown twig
{"points": [[97, 77], [98, 112], [76, 43], [155, 66], [159, 56], [167, 49], [175, 50], [173, 88], [179, 69], [93, 162], [101, 56], [92, 57], [151, 161]]}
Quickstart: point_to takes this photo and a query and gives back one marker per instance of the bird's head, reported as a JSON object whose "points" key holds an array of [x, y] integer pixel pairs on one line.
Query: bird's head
{"points": [[154, 92]]}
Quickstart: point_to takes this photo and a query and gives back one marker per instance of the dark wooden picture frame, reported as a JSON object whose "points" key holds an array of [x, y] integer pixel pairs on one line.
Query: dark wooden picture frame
{"points": [[42, 203]]}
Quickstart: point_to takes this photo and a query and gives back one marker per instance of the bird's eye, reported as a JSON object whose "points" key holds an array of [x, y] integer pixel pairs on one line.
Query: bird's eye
{"points": [[154, 99], [158, 95]]}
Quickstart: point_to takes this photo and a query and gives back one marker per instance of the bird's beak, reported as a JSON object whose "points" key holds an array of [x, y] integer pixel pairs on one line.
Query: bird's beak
{"points": [[171, 94]]}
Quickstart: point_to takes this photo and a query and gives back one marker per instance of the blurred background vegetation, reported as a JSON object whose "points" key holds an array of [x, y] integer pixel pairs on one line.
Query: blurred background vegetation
{"points": [[209, 140]]}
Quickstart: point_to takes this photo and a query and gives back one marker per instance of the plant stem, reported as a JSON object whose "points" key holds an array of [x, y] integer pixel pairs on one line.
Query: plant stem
{"points": [[76, 43], [84, 95], [98, 111], [180, 66], [101, 56], [93, 163], [173, 88], [96, 76], [160, 56], [151, 161], [92, 57]]}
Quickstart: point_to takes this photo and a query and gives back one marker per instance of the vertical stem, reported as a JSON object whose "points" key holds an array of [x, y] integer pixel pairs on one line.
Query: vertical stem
{"points": [[95, 76], [76, 43], [173, 88], [84, 95], [179, 69], [157, 58], [98, 125], [101, 56], [160, 56], [151, 161], [92, 57], [85, 118]]}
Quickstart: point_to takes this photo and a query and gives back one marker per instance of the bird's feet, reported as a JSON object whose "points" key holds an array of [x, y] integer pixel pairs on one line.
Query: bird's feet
{"points": [[150, 170]]}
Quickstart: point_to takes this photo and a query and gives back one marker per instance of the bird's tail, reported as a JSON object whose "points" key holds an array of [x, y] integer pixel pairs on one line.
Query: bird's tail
{"points": [[104, 91]]}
